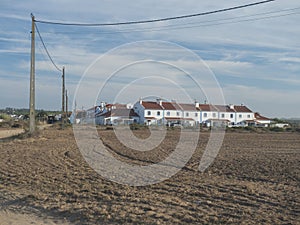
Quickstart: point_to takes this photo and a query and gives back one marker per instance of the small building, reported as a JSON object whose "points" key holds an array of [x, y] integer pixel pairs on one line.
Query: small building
{"points": [[242, 114], [280, 125], [167, 113], [262, 121], [150, 112], [117, 117]]}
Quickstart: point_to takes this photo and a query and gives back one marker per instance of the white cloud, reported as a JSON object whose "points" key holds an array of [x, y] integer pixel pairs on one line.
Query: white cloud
{"points": [[290, 59], [272, 103], [228, 66], [265, 52]]}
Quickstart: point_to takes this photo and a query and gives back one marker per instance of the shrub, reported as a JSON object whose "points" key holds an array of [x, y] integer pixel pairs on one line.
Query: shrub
{"points": [[276, 129], [136, 126], [248, 128], [5, 117]]}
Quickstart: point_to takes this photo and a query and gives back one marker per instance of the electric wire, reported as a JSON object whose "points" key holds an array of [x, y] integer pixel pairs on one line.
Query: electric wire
{"points": [[216, 22], [170, 27], [156, 20], [49, 56], [180, 27]]}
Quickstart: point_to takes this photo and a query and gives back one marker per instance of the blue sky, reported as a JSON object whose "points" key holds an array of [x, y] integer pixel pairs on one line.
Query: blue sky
{"points": [[255, 61]]}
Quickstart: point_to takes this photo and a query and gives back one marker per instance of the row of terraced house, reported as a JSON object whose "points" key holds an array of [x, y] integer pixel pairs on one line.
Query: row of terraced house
{"points": [[161, 112]]}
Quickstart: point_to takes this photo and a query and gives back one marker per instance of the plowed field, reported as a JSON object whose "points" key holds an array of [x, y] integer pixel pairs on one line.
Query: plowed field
{"points": [[255, 179]]}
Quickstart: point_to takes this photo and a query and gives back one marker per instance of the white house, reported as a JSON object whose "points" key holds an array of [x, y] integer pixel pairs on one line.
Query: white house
{"points": [[161, 112], [190, 114], [173, 113], [243, 115], [117, 117], [150, 112], [168, 113], [262, 121], [115, 114], [208, 114], [226, 115], [216, 115]]}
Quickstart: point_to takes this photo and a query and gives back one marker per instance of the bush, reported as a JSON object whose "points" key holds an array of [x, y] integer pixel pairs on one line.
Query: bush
{"points": [[297, 129], [5, 117], [136, 126], [276, 129], [248, 128]]}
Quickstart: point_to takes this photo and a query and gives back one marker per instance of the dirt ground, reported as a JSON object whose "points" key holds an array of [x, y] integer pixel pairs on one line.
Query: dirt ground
{"points": [[4, 133], [255, 179]]}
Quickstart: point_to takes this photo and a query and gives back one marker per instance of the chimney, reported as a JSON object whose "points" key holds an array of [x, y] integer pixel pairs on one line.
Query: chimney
{"points": [[231, 106], [141, 101], [102, 105], [159, 101], [196, 104]]}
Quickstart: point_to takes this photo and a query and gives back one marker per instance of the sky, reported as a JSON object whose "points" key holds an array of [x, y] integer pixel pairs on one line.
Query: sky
{"points": [[248, 56]]}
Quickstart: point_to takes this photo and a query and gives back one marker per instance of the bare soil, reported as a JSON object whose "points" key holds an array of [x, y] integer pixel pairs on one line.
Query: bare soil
{"points": [[5, 133], [255, 179]]}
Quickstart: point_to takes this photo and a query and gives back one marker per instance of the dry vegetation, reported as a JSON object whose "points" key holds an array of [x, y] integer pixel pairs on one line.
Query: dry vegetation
{"points": [[254, 180]]}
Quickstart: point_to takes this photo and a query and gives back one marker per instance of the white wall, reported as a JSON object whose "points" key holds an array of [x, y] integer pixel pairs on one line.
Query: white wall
{"points": [[209, 115], [241, 116], [173, 113]]}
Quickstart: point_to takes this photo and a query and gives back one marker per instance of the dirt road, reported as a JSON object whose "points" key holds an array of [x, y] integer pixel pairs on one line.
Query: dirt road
{"points": [[4, 133]]}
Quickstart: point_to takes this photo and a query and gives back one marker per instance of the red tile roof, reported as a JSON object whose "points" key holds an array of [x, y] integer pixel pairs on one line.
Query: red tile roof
{"points": [[116, 106], [151, 105], [260, 117], [192, 107], [241, 108], [171, 106], [120, 112], [188, 107], [223, 108], [207, 107]]}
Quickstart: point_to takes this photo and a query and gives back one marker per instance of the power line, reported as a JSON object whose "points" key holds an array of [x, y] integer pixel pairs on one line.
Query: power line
{"points": [[156, 20], [49, 56], [216, 22], [201, 24]]}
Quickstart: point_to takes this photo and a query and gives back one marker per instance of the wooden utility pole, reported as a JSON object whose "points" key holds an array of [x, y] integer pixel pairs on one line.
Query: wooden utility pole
{"points": [[32, 80], [63, 99], [67, 104]]}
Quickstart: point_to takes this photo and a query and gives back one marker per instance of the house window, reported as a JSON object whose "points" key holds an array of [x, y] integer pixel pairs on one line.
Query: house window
{"points": [[248, 116], [158, 113], [187, 114], [240, 116], [214, 115], [231, 115], [149, 113], [178, 113], [196, 114], [204, 114], [223, 115], [168, 113]]}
